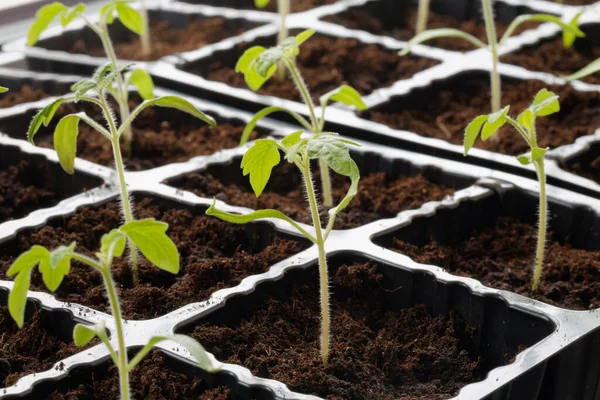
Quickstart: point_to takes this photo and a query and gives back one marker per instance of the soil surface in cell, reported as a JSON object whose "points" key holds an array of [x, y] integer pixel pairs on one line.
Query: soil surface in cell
{"points": [[552, 57], [25, 95], [402, 25], [214, 255], [375, 353], [296, 5], [166, 39], [326, 63], [160, 136], [379, 195], [502, 257], [152, 379], [446, 114], [589, 170], [33, 348], [27, 186]]}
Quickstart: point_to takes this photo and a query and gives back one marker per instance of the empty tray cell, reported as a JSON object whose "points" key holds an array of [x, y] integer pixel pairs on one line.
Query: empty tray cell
{"points": [[586, 163]]}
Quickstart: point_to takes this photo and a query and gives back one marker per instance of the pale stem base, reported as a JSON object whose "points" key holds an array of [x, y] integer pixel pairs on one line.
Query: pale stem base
{"points": [[422, 16], [542, 224]]}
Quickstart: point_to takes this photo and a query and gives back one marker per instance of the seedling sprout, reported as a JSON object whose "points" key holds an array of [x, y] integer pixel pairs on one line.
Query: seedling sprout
{"points": [[283, 8], [422, 16], [257, 68], [151, 238], [545, 103]]}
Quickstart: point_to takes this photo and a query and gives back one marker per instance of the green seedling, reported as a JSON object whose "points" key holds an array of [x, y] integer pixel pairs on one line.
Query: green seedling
{"points": [[3, 89], [545, 103], [571, 31], [588, 70], [283, 8], [422, 16], [93, 90], [151, 238], [259, 160], [145, 35], [130, 19], [258, 65]]}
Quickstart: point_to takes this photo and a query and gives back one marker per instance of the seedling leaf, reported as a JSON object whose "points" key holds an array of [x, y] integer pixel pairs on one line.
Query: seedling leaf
{"points": [[258, 161], [56, 266], [545, 103], [191, 345], [143, 82], [114, 238], [534, 155], [244, 65], [590, 69], [83, 334], [292, 143], [130, 18], [472, 132], [344, 94], [65, 141], [44, 116], [304, 36], [568, 29], [261, 3], [526, 119], [3, 89], [68, 16], [44, 17], [569, 36], [494, 122], [179, 104], [439, 33], [151, 238]]}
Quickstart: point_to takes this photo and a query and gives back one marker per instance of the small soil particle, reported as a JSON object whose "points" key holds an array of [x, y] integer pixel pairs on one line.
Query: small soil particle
{"points": [[25, 187], [152, 379], [214, 255], [502, 257], [166, 39], [446, 115], [326, 63], [403, 26], [33, 348], [25, 95], [379, 196], [376, 353]]}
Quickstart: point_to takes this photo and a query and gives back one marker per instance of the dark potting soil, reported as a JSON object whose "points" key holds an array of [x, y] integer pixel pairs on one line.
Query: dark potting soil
{"points": [[34, 348], [403, 26], [296, 5], [24, 95], [551, 56], [587, 170], [167, 40], [502, 257], [26, 187], [152, 379], [446, 114], [379, 195], [326, 63], [214, 255], [160, 137], [375, 353]]}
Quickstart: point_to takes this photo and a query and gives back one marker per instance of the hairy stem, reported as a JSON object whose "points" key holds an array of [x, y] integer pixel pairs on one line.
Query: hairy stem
{"points": [[422, 16], [116, 311], [283, 6], [542, 224], [323, 277], [123, 94], [303, 89], [145, 37], [490, 27]]}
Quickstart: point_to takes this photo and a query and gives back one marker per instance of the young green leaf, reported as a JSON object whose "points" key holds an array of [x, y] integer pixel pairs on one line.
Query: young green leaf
{"points": [[545, 103], [115, 239], [333, 150], [177, 103], [150, 236], [258, 161], [588, 70], [569, 36], [56, 266], [494, 122], [439, 33], [130, 18], [261, 3], [68, 16], [3, 89], [534, 155], [292, 143], [43, 18], [191, 345], [22, 267], [65, 141], [245, 66], [346, 95], [304, 36], [472, 132], [44, 116], [143, 82], [527, 119], [568, 29], [83, 334]]}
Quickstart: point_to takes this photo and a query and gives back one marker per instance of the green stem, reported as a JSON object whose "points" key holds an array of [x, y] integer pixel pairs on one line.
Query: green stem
{"points": [[490, 28], [543, 221], [145, 36], [116, 311], [317, 128], [324, 279], [422, 16], [123, 94], [283, 6]]}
